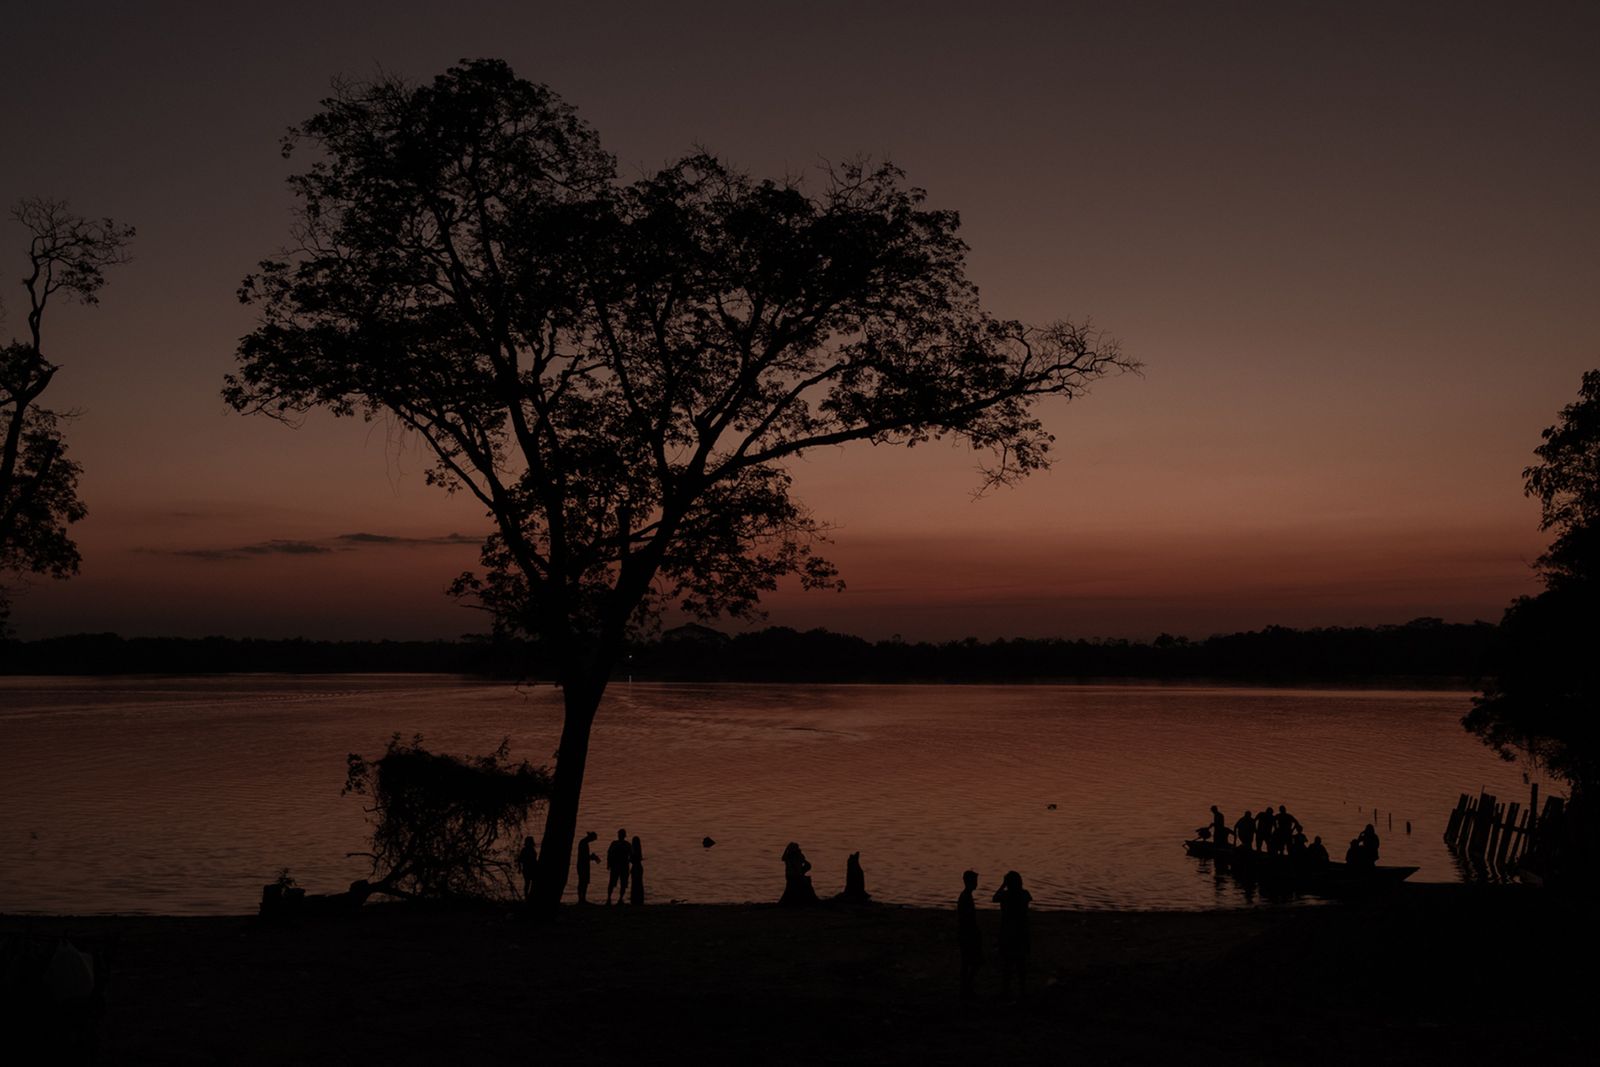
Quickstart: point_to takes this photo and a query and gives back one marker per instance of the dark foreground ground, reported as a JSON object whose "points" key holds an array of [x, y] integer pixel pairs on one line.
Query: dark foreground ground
{"points": [[1430, 975]]}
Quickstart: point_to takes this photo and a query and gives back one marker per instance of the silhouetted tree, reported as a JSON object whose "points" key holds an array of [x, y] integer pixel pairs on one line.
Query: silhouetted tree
{"points": [[38, 484], [618, 371], [1545, 696], [444, 826], [1567, 483]]}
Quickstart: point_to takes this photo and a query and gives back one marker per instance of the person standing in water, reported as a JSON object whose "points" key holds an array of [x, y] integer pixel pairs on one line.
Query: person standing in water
{"points": [[969, 935], [585, 858], [1284, 827], [1013, 901], [1244, 831], [636, 863], [1264, 823]]}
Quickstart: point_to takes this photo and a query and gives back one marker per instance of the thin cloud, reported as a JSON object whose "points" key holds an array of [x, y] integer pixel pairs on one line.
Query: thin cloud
{"points": [[261, 548], [349, 542], [389, 539]]}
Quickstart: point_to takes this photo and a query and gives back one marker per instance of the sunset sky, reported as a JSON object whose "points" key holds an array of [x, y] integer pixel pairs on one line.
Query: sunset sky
{"points": [[1356, 246]]}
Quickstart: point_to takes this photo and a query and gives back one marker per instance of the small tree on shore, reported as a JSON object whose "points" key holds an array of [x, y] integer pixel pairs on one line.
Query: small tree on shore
{"points": [[445, 827], [67, 254], [620, 372]]}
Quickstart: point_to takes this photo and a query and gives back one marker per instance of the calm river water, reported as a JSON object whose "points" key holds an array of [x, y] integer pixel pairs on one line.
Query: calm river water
{"points": [[184, 795]]}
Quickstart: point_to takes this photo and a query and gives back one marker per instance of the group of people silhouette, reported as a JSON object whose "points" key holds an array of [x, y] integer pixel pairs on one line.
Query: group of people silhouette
{"points": [[1276, 834], [1013, 900], [798, 890], [1011, 896], [1273, 833], [1280, 834], [624, 868]]}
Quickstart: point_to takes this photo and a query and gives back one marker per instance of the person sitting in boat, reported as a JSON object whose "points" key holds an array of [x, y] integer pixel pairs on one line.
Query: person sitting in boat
{"points": [[1219, 827], [1368, 841], [1244, 831], [1297, 844], [1363, 851], [1264, 822], [1317, 852]]}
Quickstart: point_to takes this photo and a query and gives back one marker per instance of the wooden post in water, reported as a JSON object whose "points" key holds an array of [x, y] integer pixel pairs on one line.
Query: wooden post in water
{"points": [[1502, 854], [1464, 828], [1452, 828], [1514, 843], [1468, 814], [1481, 826]]}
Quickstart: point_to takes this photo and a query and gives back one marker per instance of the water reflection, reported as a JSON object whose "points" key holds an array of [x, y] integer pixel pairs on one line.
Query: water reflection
{"points": [[185, 795]]}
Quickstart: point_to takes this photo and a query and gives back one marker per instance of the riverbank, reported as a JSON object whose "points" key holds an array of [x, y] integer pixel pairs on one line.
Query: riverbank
{"points": [[1433, 974]]}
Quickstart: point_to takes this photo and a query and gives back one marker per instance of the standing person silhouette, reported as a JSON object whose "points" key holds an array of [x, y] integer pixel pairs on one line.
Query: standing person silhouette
{"points": [[1244, 832], [1264, 823], [1013, 901], [1284, 827], [969, 935], [618, 856], [636, 863], [1219, 827], [528, 866], [585, 858]]}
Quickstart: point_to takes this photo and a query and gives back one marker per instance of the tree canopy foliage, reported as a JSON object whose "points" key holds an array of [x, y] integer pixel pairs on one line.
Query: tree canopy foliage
{"points": [[1567, 484], [67, 254], [444, 827], [618, 371], [1545, 695]]}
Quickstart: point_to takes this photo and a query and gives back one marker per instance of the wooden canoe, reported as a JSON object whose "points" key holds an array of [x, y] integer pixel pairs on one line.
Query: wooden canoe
{"points": [[1327, 879]]}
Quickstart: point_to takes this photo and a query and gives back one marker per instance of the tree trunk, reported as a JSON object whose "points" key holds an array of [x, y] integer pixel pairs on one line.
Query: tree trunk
{"points": [[561, 819], [581, 691]]}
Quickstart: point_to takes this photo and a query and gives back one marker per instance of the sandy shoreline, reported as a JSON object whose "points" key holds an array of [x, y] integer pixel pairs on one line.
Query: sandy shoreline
{"points": [[1421, 976]]}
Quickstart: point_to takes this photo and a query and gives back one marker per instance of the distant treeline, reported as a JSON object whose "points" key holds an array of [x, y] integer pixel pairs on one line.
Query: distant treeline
{"points": [[1421, 651], [111, 654]]}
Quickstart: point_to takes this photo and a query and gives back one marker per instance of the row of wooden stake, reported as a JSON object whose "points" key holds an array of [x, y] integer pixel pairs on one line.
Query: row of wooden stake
{"points": [[1491, 833]]}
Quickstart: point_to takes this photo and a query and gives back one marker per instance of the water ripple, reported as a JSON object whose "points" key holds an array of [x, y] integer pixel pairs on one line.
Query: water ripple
{"points": [[174, 796]]}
